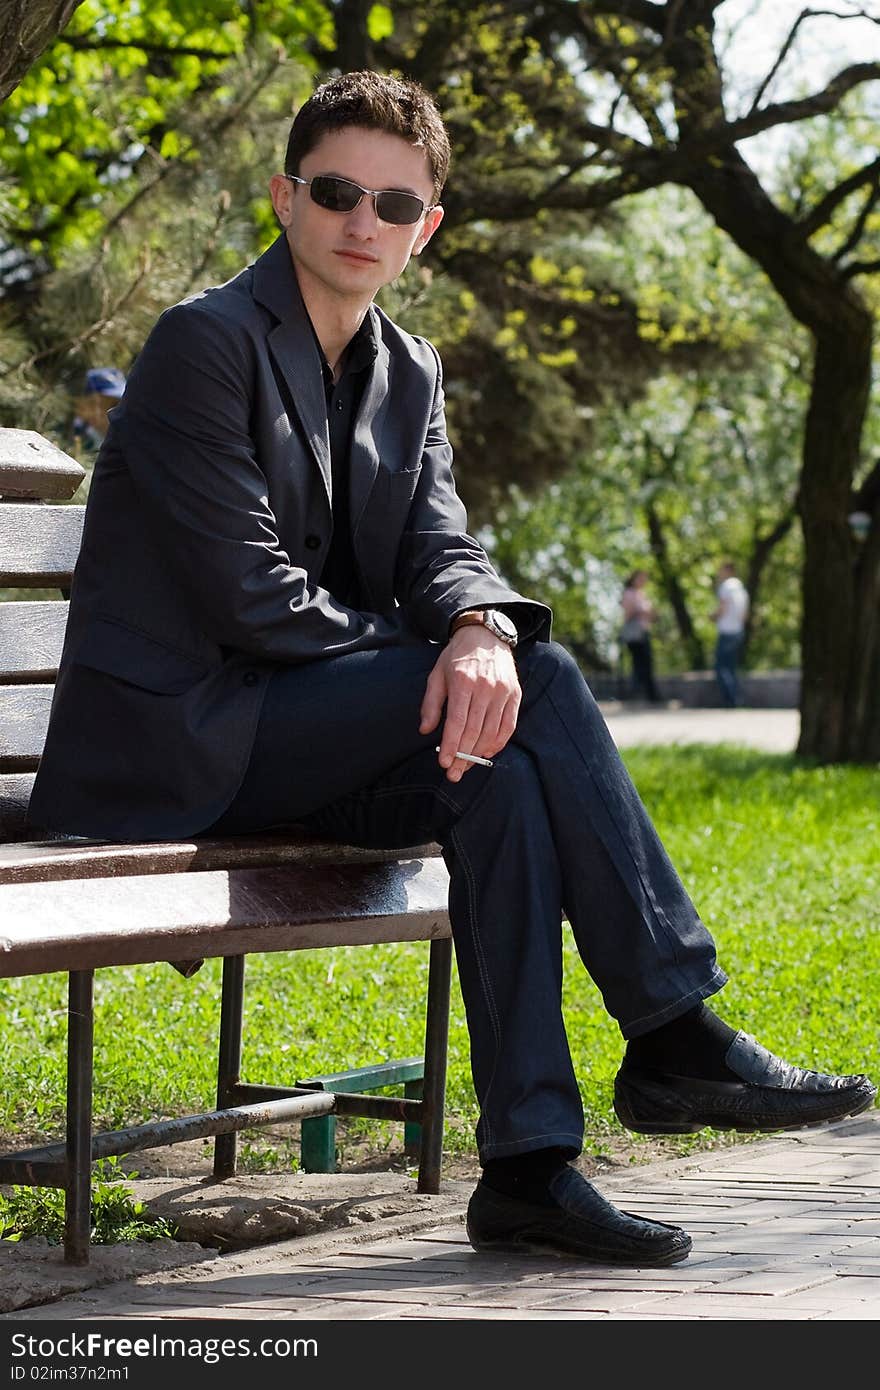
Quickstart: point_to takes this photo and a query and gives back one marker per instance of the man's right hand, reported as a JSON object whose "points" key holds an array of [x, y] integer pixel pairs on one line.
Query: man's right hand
{"points": [[475, 677]]}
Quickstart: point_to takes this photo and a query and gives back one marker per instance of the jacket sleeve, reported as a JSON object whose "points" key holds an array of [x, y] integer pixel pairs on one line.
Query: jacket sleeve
{"points": [[441, 570], [183, 428]]}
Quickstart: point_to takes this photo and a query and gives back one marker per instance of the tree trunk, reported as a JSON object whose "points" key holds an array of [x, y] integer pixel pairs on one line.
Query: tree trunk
{"points": [[27, 27], [862, 717], [840, 684], [832, 664], [761, 550], [695, 655]]}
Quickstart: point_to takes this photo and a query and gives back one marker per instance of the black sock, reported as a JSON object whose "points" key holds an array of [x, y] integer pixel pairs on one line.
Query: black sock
{"points": [[695, 1044], [525, 1176]]}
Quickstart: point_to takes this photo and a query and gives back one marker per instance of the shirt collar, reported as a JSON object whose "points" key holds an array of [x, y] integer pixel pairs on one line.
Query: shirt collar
{"points": [[364, 346]]}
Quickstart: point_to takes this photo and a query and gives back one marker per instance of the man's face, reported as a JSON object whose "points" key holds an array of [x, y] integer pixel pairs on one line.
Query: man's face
{"points": [[351, 255]]}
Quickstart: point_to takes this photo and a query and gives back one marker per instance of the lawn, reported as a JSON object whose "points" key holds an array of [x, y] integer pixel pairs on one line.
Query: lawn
{"points": [[781, 859]]}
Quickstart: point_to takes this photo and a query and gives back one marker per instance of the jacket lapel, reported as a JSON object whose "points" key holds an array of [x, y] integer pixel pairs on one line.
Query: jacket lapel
{"points": [[292, 344], [367, 430]]}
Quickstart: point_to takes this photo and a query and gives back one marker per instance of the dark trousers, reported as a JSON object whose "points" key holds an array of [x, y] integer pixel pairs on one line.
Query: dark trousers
{"points": [[727, 650], [555, 828], [642, 657]]}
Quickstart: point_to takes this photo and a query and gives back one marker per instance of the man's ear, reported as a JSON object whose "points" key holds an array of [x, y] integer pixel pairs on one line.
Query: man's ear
{"points": [[281, 193], [429, 226]]}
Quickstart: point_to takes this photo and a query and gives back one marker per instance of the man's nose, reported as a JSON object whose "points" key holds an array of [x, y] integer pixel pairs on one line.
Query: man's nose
{"points": [[363, 221]]}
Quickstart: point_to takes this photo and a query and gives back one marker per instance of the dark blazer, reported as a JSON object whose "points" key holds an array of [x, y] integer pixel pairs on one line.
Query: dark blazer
{"points": [[207, 524]]}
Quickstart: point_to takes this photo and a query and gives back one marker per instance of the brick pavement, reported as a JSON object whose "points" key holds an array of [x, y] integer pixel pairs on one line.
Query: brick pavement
{"points": [[784, 1228]]}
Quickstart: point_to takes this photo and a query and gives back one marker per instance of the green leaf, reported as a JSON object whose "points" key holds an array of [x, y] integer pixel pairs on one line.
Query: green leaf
{"points": [[380, 23]]}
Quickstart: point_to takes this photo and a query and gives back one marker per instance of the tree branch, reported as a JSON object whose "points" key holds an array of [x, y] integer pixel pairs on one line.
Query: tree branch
{"points": [[868, 495], [860, 223], [789, 40], [166, 167], [818, 104], [645, 12], [93, 329], [860, 268], [83, 43], [821, 213]]}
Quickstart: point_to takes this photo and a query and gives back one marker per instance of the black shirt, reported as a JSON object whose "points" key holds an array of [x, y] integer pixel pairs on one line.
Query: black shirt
{"points": [[339, 575]]}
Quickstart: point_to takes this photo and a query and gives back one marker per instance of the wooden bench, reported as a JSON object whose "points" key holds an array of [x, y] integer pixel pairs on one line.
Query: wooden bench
{"points": [[76, 905]]}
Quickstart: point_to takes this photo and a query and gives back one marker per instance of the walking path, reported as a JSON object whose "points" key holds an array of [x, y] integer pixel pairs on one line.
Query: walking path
{"points": [[784, 1228], [772, 730]]}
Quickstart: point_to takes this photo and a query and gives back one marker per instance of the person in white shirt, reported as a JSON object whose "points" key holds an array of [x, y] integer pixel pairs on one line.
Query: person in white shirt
{"points": [[730, 618]]}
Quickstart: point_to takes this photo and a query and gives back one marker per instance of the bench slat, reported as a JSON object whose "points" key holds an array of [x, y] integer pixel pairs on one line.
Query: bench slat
{"points": [[15, 793], [85, 924], [38, 544], [31, 637], [38, 861], [24, 719], [31, 466]]}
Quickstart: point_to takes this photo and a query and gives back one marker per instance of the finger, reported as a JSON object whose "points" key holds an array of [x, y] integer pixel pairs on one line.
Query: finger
{"points": [[432, 702], [508, 721], [469, 737]]}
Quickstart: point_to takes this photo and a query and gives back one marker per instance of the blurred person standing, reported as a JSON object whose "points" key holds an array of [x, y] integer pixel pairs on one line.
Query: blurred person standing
{"points": [[730, 617], [104, 388], [639, 615]]}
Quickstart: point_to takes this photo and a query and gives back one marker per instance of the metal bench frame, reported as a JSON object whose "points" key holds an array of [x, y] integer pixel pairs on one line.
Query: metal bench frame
{"points": [[40, 543]]}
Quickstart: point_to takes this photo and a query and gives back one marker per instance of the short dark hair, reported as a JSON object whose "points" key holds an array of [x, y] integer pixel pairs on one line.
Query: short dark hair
{"points": [[374, 101]]}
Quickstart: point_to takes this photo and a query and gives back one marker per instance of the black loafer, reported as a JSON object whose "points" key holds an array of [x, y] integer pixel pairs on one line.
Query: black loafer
{"points": [[581, 1222], [772, 1094]]}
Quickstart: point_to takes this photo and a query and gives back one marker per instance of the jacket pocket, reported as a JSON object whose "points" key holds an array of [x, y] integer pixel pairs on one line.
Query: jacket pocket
{"points": [[132, 656], [397, 485]]}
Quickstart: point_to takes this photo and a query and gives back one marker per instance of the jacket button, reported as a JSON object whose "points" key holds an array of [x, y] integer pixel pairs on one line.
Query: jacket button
{"points": [[251, 678], [313, 542]]}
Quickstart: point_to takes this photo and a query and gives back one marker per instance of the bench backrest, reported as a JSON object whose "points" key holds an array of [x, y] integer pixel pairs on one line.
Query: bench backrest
{"points": [[39, 543]]}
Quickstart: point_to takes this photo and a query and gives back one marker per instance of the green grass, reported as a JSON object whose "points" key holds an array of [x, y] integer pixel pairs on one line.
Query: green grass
{"points": [[781, 859]]}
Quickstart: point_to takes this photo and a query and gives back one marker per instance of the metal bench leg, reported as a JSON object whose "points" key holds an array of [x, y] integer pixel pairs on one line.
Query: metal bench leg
{"points": [[317, 1152], [80, 1050], [412, 1131], [436, 1041], [229, 1061]]}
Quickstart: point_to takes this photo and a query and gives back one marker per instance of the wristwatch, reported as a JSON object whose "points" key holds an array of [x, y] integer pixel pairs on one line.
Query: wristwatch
{"points": [[492, 618]]}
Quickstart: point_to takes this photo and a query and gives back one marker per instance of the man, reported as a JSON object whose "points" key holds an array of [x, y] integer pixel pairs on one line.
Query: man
{"points": [[730, 622], [278, 615]]}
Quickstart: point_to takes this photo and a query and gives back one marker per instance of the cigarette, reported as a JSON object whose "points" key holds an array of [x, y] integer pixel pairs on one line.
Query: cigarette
{"points": [[470, 757]]}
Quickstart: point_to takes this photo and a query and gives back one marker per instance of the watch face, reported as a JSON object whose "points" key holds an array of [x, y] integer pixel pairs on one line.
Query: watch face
{"points": [[503, 626]]}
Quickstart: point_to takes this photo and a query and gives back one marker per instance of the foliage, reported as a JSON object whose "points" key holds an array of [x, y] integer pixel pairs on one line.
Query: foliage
{"points": [[131, 116], [566, 119], [779, 858], [568, 110], [116, 1216], [128, 88], [702, 465], [105, 144]]}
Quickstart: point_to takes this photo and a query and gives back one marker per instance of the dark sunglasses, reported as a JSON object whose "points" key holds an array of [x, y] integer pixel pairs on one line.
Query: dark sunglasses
{"points": [[341, 195]]}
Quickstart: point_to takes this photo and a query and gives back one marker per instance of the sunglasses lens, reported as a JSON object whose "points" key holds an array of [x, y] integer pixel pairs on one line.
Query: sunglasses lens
{"points": [[400, 209], [338, 195]]}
